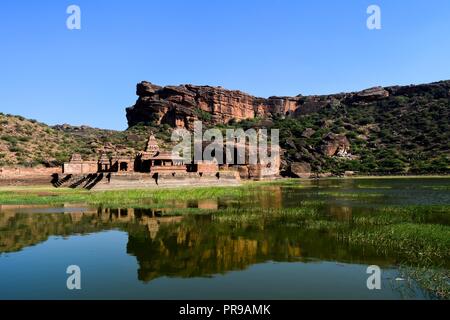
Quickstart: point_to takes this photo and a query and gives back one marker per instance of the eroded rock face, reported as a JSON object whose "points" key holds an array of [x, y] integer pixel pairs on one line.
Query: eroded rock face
{"points": [[180, 106]]}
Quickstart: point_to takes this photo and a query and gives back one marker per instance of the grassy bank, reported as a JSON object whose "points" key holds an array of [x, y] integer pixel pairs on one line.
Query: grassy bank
{"points": [[119, 198], [36, 195]]}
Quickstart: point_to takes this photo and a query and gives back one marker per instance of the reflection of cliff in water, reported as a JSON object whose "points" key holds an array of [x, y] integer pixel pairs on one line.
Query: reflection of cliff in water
{"points": [[199, 247], [194, 245]]}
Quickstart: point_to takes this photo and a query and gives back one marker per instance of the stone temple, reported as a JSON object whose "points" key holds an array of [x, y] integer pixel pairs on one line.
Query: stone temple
{"points": [[157, 167]]}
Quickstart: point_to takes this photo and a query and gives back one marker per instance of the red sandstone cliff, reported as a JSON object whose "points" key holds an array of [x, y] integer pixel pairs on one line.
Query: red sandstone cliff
{"points": [[180, 106]]}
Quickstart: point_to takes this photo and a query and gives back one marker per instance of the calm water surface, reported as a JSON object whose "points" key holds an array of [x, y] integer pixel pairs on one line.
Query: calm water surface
{"points": [[145, 254]]}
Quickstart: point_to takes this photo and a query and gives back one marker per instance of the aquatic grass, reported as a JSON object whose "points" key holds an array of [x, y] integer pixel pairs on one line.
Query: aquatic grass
{"points": [[350, 195], [430, 214], [404, 232], [263, 216], [436, 214], [418, 244], [278, 182], [433, 280], [437, 188], [362, 186], [420, 214], [41, 196]]}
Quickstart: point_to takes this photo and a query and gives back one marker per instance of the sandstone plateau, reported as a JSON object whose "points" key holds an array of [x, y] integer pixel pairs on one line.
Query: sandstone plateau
{"points": [[180, 106]]}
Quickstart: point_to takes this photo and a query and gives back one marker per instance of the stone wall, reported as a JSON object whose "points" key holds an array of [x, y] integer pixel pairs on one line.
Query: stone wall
{"points": [[27, 176], [136, 181], [84, 167], [19, 171]]}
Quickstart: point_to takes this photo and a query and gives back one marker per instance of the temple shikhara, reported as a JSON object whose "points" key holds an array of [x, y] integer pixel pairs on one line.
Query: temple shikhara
{"points": [[155, 166]]}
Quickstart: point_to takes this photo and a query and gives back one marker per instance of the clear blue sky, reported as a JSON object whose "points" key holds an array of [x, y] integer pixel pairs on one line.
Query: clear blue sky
{"points": [[263, 47]]}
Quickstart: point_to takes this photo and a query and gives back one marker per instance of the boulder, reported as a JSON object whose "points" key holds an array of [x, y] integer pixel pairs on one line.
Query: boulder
{"points": [[300, 170], [335, 144]]}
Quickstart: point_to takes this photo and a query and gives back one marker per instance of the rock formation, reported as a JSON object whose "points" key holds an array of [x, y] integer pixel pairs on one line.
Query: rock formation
{"points": [[336, 144], [180, 106], [300, 170]]}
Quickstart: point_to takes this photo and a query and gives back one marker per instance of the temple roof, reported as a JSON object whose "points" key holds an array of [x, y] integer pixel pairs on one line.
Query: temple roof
{"points": [[152, 144], [166, 155]]}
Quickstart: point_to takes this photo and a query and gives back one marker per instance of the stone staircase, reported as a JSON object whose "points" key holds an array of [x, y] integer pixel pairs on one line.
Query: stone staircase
{"points": [[78, 181]]}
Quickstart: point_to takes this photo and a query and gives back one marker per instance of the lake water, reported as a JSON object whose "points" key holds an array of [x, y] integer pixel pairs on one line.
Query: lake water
{"points": [[145, 253]]}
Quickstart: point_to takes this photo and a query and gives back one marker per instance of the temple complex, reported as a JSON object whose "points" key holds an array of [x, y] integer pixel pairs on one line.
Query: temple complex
{"points": [[155, 166], [152, 160]]}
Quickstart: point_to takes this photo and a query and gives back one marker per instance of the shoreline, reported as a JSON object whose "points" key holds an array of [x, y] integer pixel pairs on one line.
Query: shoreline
{"points": [[47, 194], [388, 177], [281, 180]]}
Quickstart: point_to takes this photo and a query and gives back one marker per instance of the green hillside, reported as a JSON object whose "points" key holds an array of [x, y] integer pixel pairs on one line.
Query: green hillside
{"points": [[406, 133], [27, 143]]}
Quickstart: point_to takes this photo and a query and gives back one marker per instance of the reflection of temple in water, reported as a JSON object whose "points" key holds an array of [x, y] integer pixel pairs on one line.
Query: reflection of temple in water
{"points": [[150, 218]]}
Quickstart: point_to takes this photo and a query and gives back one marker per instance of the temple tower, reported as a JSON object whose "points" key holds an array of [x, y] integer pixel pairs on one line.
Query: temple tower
{"points": [[152, 145]]}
